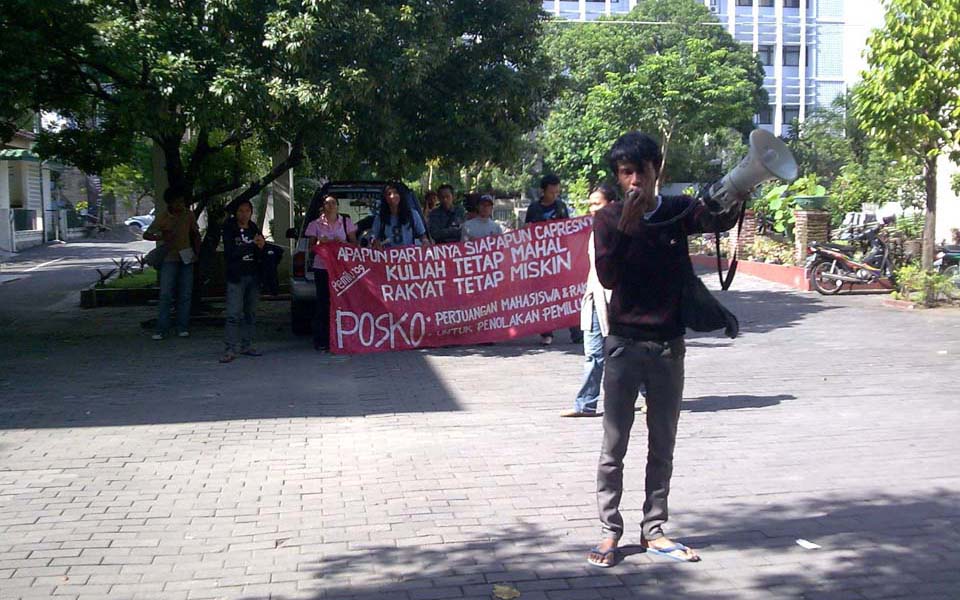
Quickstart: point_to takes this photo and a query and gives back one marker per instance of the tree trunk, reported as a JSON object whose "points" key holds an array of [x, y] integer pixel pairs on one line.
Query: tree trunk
{"points": [[930, 217], [664, 146]]}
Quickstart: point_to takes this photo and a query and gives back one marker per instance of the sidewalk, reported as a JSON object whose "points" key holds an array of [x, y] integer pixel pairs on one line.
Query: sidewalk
{"points": [[134, 469]]}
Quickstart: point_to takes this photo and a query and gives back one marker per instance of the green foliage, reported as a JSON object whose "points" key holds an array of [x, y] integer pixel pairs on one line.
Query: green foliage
{"points": [[677, 81], [215, 84], [908, 99], [131, 181], [877, 181], [144, 279], [910, 227], [779, 201], [916, 284], [770, 251], [827, 140]]}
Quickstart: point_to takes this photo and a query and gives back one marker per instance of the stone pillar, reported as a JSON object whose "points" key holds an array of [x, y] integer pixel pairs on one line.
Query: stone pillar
{"points": [[6, 216], [811, 225], [747, 234], [282, 201]]}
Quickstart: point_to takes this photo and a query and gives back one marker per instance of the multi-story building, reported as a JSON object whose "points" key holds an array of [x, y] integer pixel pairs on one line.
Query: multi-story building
{"points": [[811, 49]]}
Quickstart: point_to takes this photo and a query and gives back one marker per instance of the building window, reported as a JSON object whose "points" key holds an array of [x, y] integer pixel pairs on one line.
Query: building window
{"points": [[744, 2], [790, 114], [765, 54], [794, 3], [765, 116], [766, 3], [791, 56]]}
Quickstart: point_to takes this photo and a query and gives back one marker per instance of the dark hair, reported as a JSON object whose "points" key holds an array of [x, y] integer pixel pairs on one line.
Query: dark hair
{"points": [[173, 193], [446, 186], [238, 203], [471, 202], [549, 180], [403, 211], [609, 192], [635, 148]]}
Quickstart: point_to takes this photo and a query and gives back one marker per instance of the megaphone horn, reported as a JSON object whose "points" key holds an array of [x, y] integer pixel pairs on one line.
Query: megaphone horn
{"points": [[768, 158]]}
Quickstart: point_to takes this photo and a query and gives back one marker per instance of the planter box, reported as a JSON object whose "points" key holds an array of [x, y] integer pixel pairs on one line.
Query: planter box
{"points": [[810, 202], [795, 277], [787, 275], [94, 297]]}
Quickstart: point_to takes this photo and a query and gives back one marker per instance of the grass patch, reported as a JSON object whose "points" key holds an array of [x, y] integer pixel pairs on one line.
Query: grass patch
{"points": [[137, 280]]}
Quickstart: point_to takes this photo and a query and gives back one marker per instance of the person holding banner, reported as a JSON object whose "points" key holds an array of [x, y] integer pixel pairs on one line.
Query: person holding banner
{"points": [[548, 208], [593, 322], [396, 224], [329, 227], [483, 224], [642, 256], [446, 220]]}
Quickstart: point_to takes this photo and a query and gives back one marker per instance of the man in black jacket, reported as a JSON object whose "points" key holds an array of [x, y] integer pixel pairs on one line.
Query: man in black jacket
{"points": [[548, 208], [446, 221], [641, 254]]}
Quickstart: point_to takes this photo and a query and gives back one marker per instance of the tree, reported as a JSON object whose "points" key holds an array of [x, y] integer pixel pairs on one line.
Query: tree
{"points": [[680, 78], [131, 182], [908, 99], [388, 83]]}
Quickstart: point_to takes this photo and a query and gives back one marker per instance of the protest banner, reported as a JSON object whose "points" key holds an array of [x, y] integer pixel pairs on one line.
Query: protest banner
{"points": [[523, 282]]}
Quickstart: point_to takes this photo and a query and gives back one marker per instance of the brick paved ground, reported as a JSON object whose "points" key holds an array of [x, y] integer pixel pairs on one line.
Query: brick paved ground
{"points": [[133, 469]]}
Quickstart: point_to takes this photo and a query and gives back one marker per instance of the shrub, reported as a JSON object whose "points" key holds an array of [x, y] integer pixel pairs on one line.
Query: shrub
{"points": [[917, 285]]}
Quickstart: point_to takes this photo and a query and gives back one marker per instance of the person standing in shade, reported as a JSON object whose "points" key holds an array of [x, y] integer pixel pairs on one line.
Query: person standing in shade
{"points": [[593, 322], [177, 231], [642, 255], [242, 243], [446, 220], [483, 224], [330, 226], [548, 208], [396, 223], [430, 201]]}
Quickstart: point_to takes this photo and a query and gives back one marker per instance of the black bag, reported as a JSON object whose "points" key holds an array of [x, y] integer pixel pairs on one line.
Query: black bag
{"points": [[700, 311], [155, 257]]}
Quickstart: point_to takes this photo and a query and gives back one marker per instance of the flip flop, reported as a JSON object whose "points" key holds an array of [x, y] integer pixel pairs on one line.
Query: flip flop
{"points": [[603, 555], [667, 552]]}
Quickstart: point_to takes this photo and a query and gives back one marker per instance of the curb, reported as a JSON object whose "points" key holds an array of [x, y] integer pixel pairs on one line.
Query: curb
{"points": [[899, 304]]}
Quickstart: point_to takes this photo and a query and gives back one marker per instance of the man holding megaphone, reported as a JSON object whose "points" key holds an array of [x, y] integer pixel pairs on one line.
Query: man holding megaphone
{"points": [[641, 254]]}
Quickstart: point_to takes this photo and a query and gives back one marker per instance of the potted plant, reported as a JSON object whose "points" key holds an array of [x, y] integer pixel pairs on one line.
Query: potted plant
{"points": [[808, 194]]}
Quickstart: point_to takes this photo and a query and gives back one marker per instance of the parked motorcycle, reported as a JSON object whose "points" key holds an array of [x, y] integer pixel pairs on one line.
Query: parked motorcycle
{"points": [[948, 263], [830, 265]]}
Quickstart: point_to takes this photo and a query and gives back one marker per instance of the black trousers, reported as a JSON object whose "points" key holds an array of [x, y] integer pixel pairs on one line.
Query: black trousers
{"points": [[629, 365], [321, 317]]}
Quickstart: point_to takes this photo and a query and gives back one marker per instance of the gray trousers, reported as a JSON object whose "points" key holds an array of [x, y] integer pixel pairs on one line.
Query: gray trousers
{"points": [[242, 298], [629, 365]]}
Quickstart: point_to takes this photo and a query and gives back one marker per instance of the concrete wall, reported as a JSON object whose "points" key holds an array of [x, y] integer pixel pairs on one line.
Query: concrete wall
{"points": [[948, 204]]}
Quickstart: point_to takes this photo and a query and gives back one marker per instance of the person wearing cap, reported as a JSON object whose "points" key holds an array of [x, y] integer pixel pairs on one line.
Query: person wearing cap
{"points": [[483, 224]]}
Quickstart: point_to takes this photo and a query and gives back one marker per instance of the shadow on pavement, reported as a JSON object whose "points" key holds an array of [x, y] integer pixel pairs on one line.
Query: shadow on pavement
{"points": [[762, 311], [716, 403], [102, 370], [875, 547]]}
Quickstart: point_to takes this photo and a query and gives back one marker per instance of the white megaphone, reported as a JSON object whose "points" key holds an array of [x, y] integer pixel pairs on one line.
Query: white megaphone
{"points": [[769, 158]]}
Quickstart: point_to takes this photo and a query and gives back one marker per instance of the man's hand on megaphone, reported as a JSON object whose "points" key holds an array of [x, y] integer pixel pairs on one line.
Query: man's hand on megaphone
{"points": [[636, 203]]}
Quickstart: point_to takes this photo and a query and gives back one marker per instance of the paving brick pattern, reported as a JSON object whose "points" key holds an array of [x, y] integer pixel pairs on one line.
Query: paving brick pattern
{"points": [[134, 469]]}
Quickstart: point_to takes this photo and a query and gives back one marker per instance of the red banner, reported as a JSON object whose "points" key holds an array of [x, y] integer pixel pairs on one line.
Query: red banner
{"points": [[492, 289]]}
